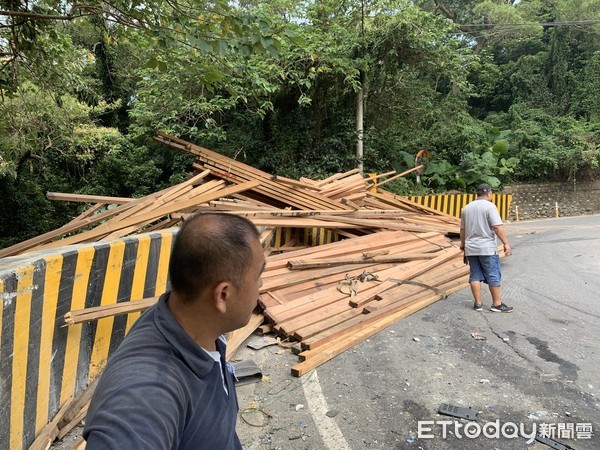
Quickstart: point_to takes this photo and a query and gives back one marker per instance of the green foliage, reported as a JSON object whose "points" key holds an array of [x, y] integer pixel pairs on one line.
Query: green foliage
{"points": [[551, 148], [274, 84], [32, 121]]}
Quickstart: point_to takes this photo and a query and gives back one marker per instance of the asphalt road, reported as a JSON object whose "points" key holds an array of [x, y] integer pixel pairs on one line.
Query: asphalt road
{"points": [[537, 367]]}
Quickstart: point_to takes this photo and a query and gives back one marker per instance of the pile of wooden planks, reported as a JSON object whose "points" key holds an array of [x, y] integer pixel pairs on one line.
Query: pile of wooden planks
{"points": [[271, 190], [345, 203], [331, 297], [131, 216], [395, 258]]}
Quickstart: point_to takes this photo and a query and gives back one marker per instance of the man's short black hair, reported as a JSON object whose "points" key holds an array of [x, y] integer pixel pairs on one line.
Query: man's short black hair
{"points": [[210, 248]]}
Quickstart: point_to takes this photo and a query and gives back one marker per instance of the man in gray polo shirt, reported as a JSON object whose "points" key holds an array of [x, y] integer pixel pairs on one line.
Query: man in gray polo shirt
{"points": [[479, 226]]}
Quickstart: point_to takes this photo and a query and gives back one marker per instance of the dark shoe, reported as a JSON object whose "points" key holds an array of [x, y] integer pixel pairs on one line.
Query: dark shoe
{"points": [[477, 306], [501, 308]]}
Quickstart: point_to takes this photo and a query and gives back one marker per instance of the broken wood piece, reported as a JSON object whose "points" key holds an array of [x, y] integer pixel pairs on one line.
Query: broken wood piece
{"points": [[98, 312], [74, 422], [376, 253], [65, 417]]}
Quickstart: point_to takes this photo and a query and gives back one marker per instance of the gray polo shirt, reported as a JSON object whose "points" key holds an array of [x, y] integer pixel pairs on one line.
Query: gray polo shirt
{"points": [[478, 219]]}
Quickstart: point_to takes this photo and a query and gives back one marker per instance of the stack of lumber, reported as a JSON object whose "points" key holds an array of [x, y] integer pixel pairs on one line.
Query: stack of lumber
{"points": [[131, 215], [344, 202], [331, 297], [272, 190], [340, 202], [315, 296]]}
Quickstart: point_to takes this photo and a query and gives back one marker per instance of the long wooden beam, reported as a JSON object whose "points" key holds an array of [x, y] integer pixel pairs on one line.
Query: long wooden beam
{"points": [[314, 264], [109, 227], [82, 198]]}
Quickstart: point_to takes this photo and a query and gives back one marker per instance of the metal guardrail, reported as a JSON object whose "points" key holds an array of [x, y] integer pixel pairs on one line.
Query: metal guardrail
{"points": [[452, 204]]}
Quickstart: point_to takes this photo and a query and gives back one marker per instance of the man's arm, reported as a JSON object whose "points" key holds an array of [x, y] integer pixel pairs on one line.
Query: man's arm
{"points": [[499, 230], [463, 234], [139, 415]]}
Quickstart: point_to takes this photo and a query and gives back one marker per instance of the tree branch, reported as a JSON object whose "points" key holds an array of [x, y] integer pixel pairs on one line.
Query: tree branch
{"points": [[31, 15]]}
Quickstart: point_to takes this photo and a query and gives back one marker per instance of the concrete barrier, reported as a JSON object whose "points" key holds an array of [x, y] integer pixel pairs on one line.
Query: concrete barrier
{"points": [[43, 362]]}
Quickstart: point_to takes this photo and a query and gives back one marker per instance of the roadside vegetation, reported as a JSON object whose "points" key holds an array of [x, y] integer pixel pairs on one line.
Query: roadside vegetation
{"points": [[496, 91]]}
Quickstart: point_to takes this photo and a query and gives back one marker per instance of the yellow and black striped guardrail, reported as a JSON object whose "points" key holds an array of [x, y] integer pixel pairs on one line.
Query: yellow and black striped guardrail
{"points": [[42, 362], [452, 204]]}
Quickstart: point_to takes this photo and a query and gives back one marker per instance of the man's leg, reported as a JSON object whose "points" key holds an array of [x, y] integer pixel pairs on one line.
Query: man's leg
{"points": [[476, 291], [495, 291]]}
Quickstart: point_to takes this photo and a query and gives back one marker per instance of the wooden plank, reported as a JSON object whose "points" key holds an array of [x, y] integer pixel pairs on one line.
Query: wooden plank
{"points": [[401, 202], [360, 244], [141, 218], [415, 271], [66, 429], [295, 278], [451, 273], [347, 201], [236, 171], [79, 444], [315, 359], [280, 313], [68, 228], [337, 176], [395, 177], [298, 197], [415, 245], [376, 224], [63, 417], [99, 312], [88, 212], [367, 290], [300, 264], [329, 315], [267, 300], [346, 322], [231, 167], [83, 198], [294, 183], [358, 321]]}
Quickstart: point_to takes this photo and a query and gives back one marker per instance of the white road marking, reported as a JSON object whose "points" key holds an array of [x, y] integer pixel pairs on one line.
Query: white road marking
{"points": [[330, 433]]}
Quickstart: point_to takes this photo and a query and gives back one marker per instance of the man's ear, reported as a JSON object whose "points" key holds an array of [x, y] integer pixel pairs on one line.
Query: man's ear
{"points": [[221, 295]]}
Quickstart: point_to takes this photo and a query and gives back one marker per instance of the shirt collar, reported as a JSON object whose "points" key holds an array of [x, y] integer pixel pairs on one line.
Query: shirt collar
{"points": [[197, 359]]}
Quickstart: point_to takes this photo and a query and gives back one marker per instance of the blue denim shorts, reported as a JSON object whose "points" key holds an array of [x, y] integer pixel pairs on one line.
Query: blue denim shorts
{"points": [[485, 268]]}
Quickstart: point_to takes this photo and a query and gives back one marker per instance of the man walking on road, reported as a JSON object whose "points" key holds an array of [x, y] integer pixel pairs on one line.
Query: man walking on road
{"points": [[479, 226]]}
